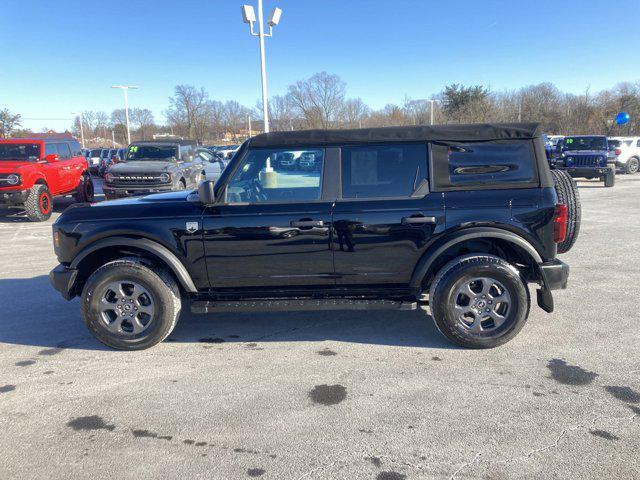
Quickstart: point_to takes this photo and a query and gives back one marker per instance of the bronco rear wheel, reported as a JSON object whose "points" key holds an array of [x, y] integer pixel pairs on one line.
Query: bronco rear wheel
{"points": [[128, 305], [39, 203], [479, 301], [85, 190], [567, 192]]}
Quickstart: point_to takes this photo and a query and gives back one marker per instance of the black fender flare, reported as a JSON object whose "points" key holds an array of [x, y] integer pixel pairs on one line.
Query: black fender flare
{"points": [[160, 251], [432, 254]]}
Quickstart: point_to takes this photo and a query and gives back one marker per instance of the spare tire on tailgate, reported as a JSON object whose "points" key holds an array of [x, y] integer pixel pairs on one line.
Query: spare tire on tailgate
{"points": [[567, 192]]}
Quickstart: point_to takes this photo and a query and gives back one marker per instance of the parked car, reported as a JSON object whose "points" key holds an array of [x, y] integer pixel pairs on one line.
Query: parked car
{"points": [[35, 170], [213, 165], [94, 160], [466, 216], [286, 160], [155, 166], [587, 156], [307, 161], [627, 153], [113, 156], [227, 151]]}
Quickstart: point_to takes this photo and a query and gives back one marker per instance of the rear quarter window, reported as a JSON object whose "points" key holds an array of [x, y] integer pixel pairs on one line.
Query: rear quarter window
{"points": [[486, 165]]}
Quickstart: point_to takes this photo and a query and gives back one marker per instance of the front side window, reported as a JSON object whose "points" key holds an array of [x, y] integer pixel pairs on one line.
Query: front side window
{"points": [[257, 179], [64, 151], [383, 171]]}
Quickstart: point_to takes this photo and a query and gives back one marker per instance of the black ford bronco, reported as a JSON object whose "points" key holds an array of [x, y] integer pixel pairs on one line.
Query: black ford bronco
{"points": [[461, 218], [155, 166]]}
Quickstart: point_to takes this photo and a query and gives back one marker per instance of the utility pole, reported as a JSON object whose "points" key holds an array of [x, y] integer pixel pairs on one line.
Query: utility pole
{"points": [[250, 133], [431, 103], [113, 138], [81, 128]]}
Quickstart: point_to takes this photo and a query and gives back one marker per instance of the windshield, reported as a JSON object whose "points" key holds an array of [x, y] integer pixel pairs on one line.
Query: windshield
{"points": [[614, 143], [152, 152], [96, 153], [585, 143], [19, 151]]}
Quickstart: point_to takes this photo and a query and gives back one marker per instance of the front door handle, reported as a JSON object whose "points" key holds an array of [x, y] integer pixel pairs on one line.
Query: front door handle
{"points": [[421, 220], [307, 223]]}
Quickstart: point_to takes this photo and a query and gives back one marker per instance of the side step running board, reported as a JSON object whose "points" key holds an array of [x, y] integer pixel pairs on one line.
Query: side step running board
{"points": [[278, 305]]}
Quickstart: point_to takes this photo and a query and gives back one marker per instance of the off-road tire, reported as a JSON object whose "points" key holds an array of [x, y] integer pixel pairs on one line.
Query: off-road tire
{"points": [[39, 203], [568, 193], [182, 184], [467, 267], [610, 176], [632, 166], [85, 191], [157, 281]]}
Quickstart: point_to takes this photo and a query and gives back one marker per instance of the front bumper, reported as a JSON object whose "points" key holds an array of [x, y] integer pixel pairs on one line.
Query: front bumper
{"points": [[585, 171], [13, 197], [62, 279], [120, 192]]}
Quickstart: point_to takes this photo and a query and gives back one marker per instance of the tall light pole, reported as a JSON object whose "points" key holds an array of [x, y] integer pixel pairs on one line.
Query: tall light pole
{"points": [[431, 103], [125, 89], [249, 16], [81, 129]]}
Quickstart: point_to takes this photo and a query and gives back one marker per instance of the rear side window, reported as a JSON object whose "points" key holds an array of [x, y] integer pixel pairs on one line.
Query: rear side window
{"points": [[383, 171], [498, 164]]}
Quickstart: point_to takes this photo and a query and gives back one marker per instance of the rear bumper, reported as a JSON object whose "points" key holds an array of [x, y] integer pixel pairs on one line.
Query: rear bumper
{"points": [[62, 279], [13, 197]]}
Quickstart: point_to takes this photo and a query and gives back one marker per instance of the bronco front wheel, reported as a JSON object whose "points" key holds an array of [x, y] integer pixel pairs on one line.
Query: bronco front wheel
{"points": [[39, 203], [479, 301], [128, 305]]}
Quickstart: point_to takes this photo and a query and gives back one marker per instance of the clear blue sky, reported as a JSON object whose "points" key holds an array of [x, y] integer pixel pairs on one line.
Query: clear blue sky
{"points": [[62, 56]]}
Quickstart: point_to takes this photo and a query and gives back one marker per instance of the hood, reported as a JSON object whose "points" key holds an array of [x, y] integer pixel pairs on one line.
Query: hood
{"points": [[14, 166], [155, 205], [144, 166]]}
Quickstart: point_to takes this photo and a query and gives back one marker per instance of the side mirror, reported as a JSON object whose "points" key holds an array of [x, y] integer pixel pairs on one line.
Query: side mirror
{"points": [[207, 193], [52, 158]]}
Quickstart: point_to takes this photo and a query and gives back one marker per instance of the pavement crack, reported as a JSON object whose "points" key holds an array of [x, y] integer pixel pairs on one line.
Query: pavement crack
{"points": [[465, 465]]}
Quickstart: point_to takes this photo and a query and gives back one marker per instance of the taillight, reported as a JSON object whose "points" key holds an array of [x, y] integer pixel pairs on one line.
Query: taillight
{"points": [[560, 223], [617, 151]]}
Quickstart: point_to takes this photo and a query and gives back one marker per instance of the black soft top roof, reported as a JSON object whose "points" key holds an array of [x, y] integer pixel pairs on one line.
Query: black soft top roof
{"points": [[479, 132]]}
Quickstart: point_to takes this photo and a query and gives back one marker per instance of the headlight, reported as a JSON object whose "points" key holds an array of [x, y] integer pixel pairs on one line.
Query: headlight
{"points": [[13, 179], [109, 177], [165, 178], [569, 159]]}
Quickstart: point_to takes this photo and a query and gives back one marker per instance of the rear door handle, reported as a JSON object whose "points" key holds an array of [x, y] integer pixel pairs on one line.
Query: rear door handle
{"points": [[307, 223], [418, 220]]}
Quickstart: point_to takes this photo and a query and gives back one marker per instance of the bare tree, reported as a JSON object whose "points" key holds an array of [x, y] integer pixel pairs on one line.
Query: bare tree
{"points": [[355, 113], [319, 99], [187, 108], [142, 120]]}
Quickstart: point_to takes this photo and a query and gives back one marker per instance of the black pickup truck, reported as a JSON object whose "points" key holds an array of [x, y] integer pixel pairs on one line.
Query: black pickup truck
{"points": [[461, 218]]}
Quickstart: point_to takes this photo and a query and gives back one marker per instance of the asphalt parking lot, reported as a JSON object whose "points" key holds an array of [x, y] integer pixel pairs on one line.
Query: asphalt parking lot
{"points": [[329, 395]]}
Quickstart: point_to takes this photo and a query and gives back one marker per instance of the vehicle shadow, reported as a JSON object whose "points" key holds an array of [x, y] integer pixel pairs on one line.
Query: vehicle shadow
{"points": [[35, 315], [17, 215]]}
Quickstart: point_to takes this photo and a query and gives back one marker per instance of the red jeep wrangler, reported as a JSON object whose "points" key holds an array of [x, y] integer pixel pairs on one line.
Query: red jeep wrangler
{"points": [[34, 170]]}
